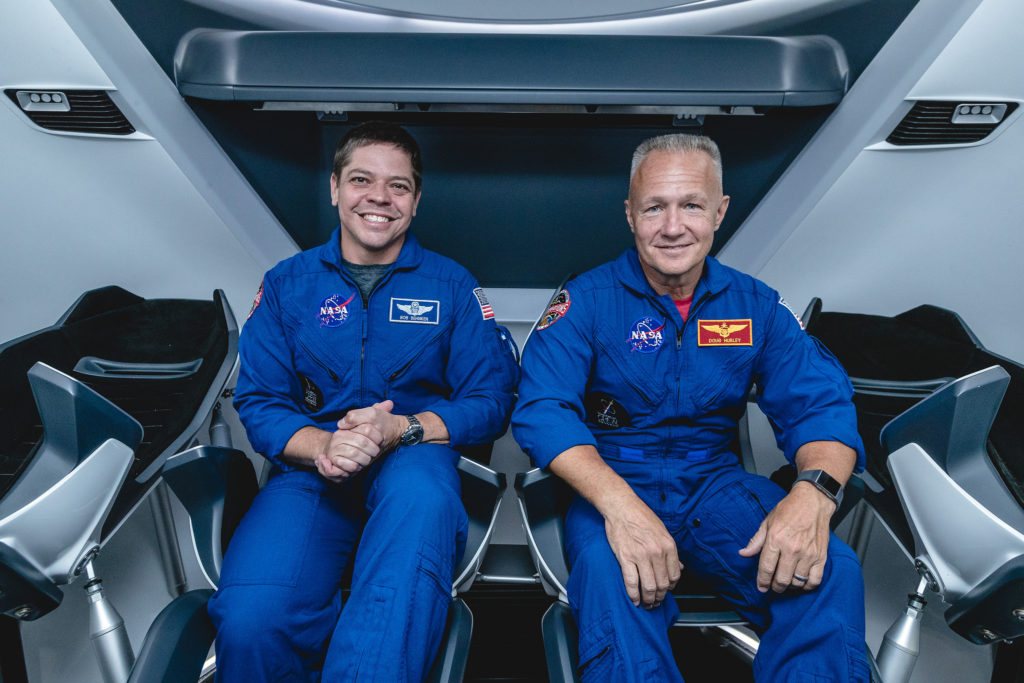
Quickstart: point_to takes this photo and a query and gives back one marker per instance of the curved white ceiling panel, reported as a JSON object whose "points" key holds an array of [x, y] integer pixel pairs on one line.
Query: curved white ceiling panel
{"points": [[643, 17]]}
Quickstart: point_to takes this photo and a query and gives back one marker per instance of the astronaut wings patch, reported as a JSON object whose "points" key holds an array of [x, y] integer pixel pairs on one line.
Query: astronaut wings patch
{"points": [[737, 332], [421, 311]]}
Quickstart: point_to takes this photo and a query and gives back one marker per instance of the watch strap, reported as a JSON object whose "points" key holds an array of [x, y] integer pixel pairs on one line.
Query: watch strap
{"points": [[414, 433], [824, 482]]}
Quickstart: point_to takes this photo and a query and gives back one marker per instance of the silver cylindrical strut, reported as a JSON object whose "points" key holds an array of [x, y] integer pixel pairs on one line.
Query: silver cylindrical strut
{"points": [[220, 432], [902, 642], [106, 628]]}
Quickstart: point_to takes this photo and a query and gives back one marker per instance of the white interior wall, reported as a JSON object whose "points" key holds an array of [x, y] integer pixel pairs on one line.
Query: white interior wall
{"points": [[85, 211], [885, 229], [161, 214], [901, 227]]}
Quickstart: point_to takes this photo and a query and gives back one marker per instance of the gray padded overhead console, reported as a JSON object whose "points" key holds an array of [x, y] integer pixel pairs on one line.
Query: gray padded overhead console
{"points": [[592, 72]]}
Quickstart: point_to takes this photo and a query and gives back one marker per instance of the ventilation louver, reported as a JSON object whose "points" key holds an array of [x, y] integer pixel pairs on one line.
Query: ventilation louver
{"points": [[72, 111], [949, 123]]}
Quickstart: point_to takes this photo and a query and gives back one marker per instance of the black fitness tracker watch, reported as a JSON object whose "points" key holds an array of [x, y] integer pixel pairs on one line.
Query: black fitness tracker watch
{"points": [[824, 483]]}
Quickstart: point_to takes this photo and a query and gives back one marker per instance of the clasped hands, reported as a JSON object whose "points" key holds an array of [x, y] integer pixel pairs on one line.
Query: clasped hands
{"points": [[362, 436]]}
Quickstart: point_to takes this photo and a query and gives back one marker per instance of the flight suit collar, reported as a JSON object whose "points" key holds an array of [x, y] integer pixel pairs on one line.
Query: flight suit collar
{"points": [[409, 257], [713, 280]]}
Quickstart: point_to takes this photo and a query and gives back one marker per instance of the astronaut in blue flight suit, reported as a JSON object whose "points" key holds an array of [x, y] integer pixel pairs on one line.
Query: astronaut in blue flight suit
{"points": [[632, 388], [364, 362]]}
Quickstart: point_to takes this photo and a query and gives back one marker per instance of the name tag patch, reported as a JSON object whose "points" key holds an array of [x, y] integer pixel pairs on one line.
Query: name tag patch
{"points": [[738, 332], [420, 311]]}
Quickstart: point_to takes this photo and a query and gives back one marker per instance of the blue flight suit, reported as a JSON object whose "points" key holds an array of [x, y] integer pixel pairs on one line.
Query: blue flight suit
{"points": [[613, 365], [310, 352]]}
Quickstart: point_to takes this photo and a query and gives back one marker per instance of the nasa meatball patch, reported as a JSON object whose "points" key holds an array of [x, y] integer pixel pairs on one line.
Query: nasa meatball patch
{"points": [[333, 310], [556, 311], [646, 335]]}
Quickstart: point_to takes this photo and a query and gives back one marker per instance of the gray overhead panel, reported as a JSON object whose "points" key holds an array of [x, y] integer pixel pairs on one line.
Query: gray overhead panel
{"points": [[327, 71], [522, 10]]}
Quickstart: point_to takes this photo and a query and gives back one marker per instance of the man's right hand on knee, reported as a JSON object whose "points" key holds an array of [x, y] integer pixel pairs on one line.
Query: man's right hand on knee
{"points": [[646, 552]]}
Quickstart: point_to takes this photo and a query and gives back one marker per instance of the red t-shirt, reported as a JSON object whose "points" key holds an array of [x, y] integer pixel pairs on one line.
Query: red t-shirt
{"points": [[684, 306]]}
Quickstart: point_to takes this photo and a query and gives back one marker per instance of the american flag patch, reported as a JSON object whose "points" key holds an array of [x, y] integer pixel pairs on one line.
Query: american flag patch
{"points": [[485, 306]]}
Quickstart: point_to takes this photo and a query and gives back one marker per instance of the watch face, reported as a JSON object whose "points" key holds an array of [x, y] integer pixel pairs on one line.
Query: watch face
{"points": [[824, 482], [830, 484], [414, 434]]}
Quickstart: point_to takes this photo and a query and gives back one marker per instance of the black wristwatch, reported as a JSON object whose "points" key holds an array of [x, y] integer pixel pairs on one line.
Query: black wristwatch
{"points": [[414, 434], [824, 483]]}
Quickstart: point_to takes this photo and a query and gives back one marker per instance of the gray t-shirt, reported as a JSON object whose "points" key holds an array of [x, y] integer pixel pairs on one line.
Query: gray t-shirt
{"points": [[366, 277]]}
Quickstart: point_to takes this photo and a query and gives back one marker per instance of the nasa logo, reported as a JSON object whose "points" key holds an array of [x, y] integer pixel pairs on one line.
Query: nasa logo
{"points": [[333, 311], [646, 335], [556, 311]]}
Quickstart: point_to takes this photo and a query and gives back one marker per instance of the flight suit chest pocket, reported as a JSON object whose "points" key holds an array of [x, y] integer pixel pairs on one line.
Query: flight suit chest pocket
{"points": [[622, 372], [720, 378], [421, 356], [323, 355]]}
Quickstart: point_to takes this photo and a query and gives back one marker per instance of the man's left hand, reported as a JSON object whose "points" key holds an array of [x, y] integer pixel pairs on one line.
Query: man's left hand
{"points": [[379, 415], [793, 541]]}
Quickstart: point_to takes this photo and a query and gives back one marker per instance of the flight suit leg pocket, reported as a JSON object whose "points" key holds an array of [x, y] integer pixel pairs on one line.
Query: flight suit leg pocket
{"points": [[597, 651], [606, 656], [435, 570], [271, 543], [719, 527]]}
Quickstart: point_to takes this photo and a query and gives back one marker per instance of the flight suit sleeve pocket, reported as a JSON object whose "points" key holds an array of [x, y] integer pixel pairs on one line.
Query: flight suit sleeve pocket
{"points": [[506, 358]]}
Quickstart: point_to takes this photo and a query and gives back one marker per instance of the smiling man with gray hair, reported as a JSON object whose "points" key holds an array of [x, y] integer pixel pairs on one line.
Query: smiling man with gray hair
{"points": [[632, 389]]}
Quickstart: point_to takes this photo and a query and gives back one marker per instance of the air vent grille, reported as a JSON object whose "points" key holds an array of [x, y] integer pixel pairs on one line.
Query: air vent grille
{"points": [[87, 111], [931, 123]]}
